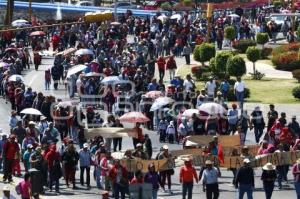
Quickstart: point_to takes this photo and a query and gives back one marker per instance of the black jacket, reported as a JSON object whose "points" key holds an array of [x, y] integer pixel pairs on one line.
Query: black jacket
{"points": [[244, 176]]}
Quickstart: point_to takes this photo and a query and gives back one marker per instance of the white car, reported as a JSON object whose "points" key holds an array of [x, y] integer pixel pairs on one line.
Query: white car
{"points": [[84, 3]]}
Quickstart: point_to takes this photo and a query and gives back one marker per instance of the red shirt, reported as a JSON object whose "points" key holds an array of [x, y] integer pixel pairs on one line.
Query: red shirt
{"points": [[161, 63], [136, 181], [187, 174], [51, 157], [113, 172], [10, 150]]}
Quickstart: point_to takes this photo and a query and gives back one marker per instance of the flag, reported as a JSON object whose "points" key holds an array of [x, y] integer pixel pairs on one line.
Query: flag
{"points": [[220, 153]]}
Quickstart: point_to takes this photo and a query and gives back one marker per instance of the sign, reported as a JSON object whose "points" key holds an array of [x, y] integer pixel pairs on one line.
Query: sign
{"points": [[225, 140], [227, 150], [138, 164], [107, 132], [176, 153], [209, 10], [283, 158]]}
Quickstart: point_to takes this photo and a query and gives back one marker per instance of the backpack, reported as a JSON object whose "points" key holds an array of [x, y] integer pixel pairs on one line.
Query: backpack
{"points": [[19, 189]]}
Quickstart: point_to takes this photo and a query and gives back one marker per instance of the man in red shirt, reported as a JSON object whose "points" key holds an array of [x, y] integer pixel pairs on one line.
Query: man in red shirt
{"points": [[10, 150], [161, 63], [186, 177], [54, 169]]}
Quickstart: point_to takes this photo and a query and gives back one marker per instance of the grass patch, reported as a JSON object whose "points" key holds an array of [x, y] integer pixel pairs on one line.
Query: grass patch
{"points": [[267, 90]]}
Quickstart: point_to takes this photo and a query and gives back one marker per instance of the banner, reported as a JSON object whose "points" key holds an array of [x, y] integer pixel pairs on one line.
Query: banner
{"points": [[227, 150], [196, 151], [138, 164], [108, 132], [225, 140], [283, 158]]}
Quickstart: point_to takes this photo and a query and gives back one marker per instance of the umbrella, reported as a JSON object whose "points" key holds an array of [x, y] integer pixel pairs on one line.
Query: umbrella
{"points": [[76, 69], [111, 80], [92, 74], [160, 102], [15, 78], [212, 108], [234, 15], [190, 112], [162, 18], [154, 94], [20, 23], [11, 50], [31, 111], [65, 104], [134, 117], [69, 51], [84, 52], [4, 65], [115, 23], [37, 33], [176, 16]]}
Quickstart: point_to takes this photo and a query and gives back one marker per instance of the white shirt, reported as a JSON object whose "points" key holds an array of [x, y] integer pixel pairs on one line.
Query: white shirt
{"points": [[188, 86], [210, 87], [10, 197], [239, 86]]}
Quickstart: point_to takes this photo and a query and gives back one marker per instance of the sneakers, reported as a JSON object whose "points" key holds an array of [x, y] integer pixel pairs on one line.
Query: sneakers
{"points": [[170, 192]]}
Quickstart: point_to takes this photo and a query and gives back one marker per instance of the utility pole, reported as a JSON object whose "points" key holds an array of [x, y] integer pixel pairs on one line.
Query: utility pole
{"points": [[115, 11], [30, 11], [9, 12]]}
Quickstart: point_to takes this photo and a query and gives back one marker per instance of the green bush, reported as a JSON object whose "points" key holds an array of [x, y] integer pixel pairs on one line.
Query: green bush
{"points": [[204, 52], [253, 54], [277, 3], [166, 6], [298, 32], [229, 33], [262, 38], [296, 92], [236, 66], [242, 45], [219, 66], [187, 2], [296, 74]]}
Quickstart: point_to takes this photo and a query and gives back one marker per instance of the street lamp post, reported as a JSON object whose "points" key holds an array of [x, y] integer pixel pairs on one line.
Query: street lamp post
{"points": [[115, 11], [30, 10]]}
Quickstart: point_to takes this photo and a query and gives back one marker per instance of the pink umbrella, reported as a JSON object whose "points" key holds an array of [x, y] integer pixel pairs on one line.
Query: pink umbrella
{"points": [[154, 94], [37, 33], [134, 117]]}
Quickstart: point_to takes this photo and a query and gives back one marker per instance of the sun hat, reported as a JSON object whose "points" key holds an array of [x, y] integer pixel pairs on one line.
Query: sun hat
{"points": [[208, 162], [85, 145], [165, 147], [269, 167], [246, 161]]}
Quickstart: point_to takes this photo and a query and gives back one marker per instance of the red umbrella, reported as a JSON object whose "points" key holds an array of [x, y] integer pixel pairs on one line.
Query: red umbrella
{"points": [[37, 33], [134, 117], [154, 94]]}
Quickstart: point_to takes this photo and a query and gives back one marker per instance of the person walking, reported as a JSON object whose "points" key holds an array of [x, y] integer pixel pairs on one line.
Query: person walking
{"points": [[118, 176], [85, 158], [239, 91], [54, 168], [258, 123], [186, 178], [296, 174], [10, 150], [171, 66], [268, 177], [161, 63], [25, 187], [210, 180], [70, 159], [166, 175], [186, 52], [153, 178], [244, 180]]}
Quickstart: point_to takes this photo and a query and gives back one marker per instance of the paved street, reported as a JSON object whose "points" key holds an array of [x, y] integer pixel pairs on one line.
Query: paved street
{"points": [[35, 79]]}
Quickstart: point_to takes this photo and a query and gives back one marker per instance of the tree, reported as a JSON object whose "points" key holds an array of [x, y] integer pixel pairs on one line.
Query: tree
{"points": [[253, 54], [204, 52], [236, 66], [229, 33], [220, 63], [262, 38]]}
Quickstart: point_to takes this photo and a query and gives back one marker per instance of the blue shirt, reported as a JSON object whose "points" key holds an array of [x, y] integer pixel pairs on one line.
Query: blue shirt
{"points": [[85, 158], [233, 116]]}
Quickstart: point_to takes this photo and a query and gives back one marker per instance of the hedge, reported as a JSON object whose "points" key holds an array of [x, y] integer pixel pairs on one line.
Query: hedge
{"points": [[242, 45], [287, 61], [296, 92]]}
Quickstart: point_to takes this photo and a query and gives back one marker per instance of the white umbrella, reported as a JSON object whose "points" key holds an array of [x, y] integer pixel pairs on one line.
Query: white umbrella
{"points": [[234, 15], [92, 74], [31, 111], [161, 102], [111, 80], [162, 18], [20, 23], [212, 108], [15, 78], [190, 112], [65, 104], [76, 69], [115, 23], [84, 52], [176, 16]]}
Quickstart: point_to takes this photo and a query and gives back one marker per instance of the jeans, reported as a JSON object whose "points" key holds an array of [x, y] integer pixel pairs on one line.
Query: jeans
{"points": [[232, 128], [47, 85], [117, 142], [258, 131], [240, 98], [161, 74], [280, 174], [87, 175], [245, 188], [53, 180], [187, 188], [97, 177], [297, 187], [7, 170], [268, 190], [154, 193], [212, 191], [187, 59], [119, 189]]}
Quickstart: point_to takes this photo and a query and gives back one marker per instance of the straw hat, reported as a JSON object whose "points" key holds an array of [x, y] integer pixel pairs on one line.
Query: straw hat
{"points": [[269, 167], [208, 162], [165, 147], [6, 188]]}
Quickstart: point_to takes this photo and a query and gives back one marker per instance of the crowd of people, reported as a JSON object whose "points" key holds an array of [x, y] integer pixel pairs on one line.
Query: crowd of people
{"points": [[49, 143]]}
